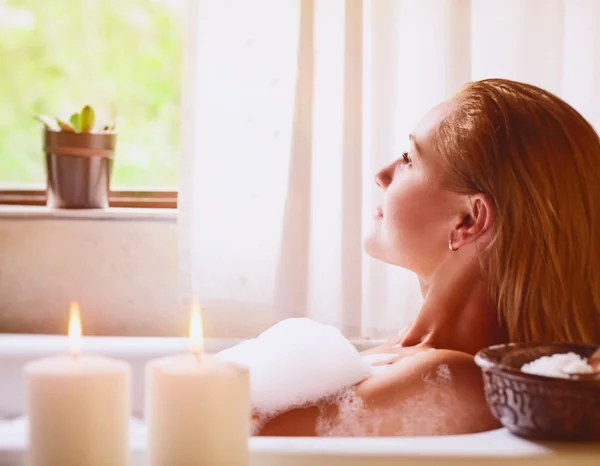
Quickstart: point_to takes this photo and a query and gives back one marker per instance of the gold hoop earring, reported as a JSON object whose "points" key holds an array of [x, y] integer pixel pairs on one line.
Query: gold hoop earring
{"points": [[451, 246]]}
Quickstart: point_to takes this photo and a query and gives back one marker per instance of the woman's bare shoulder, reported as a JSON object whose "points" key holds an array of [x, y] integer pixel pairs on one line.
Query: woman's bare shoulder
{"points": [[435, 392]]}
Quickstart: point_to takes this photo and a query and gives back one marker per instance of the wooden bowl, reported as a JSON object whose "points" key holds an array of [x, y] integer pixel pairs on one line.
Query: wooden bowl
{"points": [[540, 407]]}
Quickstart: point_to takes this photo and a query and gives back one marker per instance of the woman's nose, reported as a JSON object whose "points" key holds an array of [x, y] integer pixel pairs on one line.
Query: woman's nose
{"points": [[384, 177]]}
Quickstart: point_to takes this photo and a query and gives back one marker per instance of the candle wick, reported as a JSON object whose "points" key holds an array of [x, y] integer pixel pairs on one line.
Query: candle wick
{"points": [[197, 355]]}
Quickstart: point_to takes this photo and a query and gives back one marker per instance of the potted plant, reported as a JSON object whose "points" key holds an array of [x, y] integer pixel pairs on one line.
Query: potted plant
{"points": [[79, 159]]}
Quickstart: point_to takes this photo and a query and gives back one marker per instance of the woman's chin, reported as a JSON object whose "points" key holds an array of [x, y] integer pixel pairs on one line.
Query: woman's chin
{"points": [[373, 247], [379, 250]]}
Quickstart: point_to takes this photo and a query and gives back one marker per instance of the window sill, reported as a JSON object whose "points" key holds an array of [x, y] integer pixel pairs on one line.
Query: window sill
{"points": [[110, 214], [159, 199]]}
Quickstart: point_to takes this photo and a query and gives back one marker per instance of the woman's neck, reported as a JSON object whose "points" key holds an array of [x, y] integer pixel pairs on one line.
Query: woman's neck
{"points": [[457, 312]]}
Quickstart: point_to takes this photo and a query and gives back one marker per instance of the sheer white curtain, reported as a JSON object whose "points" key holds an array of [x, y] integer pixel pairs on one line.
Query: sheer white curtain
{"points": [[291, 106]]}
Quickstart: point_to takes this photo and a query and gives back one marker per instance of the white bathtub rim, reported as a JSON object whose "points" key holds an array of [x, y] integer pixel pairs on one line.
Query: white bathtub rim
{"points": [[488, 445], [34, 345], [492, 444]]}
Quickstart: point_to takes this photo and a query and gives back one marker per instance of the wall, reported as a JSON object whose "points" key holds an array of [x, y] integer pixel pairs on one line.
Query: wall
{"points": [[121, 265]]}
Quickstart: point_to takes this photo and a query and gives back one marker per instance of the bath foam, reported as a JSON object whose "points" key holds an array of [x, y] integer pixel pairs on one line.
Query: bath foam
{"points": [[421, 414], [297, 362], [349, 421], [380, 358]]}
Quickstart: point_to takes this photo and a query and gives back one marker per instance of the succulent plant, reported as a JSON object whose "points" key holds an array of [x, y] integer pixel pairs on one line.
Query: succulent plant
{"points": [[81, 122]]}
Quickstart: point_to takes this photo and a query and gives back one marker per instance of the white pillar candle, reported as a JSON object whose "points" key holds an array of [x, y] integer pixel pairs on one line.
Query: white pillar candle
{"points": [[197, 408], [78, 408]]}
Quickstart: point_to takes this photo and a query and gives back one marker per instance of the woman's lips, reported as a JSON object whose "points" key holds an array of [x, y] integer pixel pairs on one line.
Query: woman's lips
{"points": [[378, 213]]}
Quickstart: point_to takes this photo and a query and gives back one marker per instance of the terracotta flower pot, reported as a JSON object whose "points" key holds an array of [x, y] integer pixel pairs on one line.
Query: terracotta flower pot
{"points": [[78, 167]]}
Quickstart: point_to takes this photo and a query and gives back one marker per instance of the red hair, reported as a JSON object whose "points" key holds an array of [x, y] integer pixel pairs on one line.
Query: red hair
{"points": [[538, 160]]}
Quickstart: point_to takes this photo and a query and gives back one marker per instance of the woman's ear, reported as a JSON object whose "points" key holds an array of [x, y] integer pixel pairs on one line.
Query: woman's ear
{"points": [[476, 219]]}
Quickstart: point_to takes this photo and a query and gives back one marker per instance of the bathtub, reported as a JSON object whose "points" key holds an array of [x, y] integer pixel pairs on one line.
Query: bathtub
{"points": [[496, 447]]}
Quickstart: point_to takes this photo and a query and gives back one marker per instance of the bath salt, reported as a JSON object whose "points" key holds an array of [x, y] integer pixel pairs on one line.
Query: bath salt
{"points": [[558, 365], [296, 362]]}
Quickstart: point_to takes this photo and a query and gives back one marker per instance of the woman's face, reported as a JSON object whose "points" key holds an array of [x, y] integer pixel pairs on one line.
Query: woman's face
{"points": [[412, 227]]}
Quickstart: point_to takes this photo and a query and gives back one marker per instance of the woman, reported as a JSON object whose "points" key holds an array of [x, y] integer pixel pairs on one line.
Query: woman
{"points": [[496, 207]]}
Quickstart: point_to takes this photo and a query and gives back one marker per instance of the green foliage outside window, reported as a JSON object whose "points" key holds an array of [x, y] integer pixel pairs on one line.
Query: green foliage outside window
{"points": [[122, 57]]}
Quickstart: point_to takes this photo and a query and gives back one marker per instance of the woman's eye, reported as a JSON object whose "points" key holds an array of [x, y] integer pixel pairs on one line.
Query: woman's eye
{"points": [[406, 159]]}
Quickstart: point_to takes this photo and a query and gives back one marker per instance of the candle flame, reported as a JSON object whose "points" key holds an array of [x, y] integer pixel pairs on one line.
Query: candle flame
{"points": [[74, 330], [196, 337]]}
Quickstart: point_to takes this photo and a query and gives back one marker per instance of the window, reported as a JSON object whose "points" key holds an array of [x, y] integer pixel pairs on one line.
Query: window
{"points": [[124, 57]]}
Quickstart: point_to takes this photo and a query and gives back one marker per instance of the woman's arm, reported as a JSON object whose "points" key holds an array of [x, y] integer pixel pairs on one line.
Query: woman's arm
{"points": [[434, 393]]}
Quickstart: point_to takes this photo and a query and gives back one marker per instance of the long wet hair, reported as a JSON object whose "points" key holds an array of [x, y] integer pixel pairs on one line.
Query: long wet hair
{"points": [[538, 160]]}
